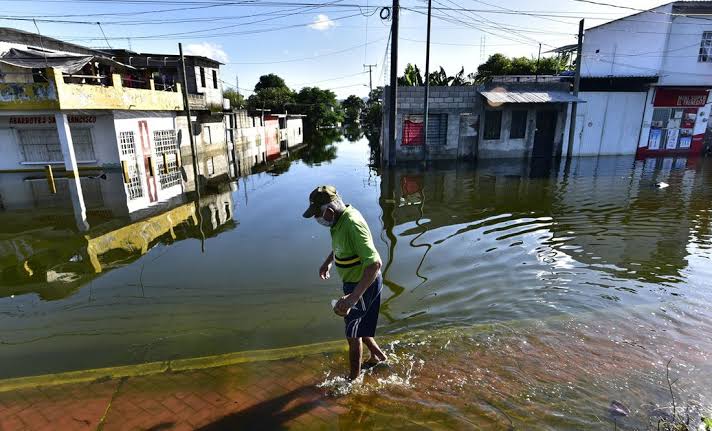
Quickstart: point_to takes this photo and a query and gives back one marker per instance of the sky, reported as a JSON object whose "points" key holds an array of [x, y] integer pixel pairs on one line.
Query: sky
{"points": [[322, 43]]}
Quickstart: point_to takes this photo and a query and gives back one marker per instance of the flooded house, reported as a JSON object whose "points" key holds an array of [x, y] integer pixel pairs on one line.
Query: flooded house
{"points": [[108, 112], [646, 80], [503, 119]]}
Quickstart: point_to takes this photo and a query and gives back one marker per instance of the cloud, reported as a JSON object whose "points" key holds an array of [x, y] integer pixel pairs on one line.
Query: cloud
{"points": [[322, 23], [207, 49]]}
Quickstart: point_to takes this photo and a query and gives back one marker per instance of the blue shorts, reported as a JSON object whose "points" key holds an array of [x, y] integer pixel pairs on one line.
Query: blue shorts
{"points": [[363, 317]]}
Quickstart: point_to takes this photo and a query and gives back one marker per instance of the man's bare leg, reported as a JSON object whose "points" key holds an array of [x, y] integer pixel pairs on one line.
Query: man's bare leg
{"points": [[355, 350], [377, 354]]}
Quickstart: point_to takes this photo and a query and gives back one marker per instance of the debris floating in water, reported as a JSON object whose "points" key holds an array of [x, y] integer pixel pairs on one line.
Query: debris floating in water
{"points": [[618, 409], [661, 185]]}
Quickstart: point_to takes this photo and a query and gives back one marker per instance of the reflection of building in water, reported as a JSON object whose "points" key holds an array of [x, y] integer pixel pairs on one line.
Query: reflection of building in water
{"points": [[43, 250], [260, 138], [600, 212], [616, 216]]}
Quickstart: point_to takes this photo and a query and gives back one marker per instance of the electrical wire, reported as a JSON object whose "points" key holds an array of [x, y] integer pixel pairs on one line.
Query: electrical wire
{"points": [[351, 48]]}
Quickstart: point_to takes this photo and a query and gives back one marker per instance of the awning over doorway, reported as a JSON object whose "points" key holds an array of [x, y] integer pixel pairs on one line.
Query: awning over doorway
{"points": [[508, 96]]}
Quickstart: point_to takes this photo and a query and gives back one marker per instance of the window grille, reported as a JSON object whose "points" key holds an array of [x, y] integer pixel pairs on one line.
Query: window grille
{"points": [[493, 124], [42, 145], [705, 55], [127, 144], [167, 155], [133, 187]]}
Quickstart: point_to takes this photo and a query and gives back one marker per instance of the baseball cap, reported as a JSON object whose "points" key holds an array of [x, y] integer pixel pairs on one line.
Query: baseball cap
{"points": [[321, 195]]}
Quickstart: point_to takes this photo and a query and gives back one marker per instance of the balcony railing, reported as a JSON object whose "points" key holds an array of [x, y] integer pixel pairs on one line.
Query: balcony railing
{"points": [[109, 94]]}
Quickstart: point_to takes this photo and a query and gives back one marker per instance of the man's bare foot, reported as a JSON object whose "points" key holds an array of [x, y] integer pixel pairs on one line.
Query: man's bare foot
{"points": [[373, 361]]}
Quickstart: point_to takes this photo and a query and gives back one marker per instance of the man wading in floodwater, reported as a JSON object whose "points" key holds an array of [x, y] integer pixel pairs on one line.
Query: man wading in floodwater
{"points": [[359, 266]]}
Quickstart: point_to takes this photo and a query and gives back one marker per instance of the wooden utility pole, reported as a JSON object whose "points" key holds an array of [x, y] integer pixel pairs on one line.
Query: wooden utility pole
{"points": [[193, 150], [427, 84], [370, 81], [577, 81], [394, 85]]}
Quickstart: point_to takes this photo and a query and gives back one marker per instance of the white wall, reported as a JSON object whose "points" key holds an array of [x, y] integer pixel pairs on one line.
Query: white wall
{"points": [[213, 96], [630, 46], [102, 132], [126, 121], [680, 65], [608, 123]]}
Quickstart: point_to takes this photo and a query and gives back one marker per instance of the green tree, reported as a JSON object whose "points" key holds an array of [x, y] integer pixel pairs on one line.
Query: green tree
{"points": [[235, 98], [320, 107], [496, 64], [353, 105], [270, 81], [499, 64], [372, 121], [277, 99], [411, 76]]}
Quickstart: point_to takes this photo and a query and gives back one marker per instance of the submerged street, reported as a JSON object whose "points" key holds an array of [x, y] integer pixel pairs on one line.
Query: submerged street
{"points": [[524, 295]]}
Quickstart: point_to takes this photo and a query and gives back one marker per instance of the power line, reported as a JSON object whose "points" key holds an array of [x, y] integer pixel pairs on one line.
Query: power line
{"points": [[308, 58]]}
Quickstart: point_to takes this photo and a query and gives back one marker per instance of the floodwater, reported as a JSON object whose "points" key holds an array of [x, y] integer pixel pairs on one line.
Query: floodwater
{"points": [[525, 295]]}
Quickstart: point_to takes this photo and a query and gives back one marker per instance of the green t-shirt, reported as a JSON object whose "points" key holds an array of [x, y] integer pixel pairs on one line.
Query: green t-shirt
{"points": [[353, 245]]}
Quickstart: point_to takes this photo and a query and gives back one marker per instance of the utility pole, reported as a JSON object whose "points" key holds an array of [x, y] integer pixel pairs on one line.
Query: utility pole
{"points": [[394, 85], [536, 76], [190, 121], [193, 150], [370, 81], [577, 81], [427, 84]]}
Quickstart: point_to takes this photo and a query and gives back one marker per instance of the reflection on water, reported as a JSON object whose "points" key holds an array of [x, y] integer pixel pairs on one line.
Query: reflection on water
{"points": [[463, 244]]}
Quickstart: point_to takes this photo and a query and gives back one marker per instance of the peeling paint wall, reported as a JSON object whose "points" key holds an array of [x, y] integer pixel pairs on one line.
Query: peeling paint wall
{"points": [[58, 95], [34, 96]]}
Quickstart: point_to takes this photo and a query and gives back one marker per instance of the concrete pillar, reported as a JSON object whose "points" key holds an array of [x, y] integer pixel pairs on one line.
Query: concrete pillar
{"points": [[65, 142], [70, 165]]}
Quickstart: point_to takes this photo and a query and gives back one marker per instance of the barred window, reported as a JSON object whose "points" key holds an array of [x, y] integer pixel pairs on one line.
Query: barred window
{"points": [[133, 186], [42, 145], [127, 144], [493, 124], [167, 155], [165, 141], [705, 55]]}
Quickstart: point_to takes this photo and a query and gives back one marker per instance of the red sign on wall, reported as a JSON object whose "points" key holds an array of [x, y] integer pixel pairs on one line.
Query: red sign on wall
{"points": [[682, 97]]}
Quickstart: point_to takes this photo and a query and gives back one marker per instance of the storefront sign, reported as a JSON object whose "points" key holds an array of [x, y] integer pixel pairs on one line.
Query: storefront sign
{"points": [[49, 119], [692, 97]]}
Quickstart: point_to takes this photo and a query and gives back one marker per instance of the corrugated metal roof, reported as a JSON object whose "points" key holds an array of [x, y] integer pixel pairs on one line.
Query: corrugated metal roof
{"points": [[498, 97]]}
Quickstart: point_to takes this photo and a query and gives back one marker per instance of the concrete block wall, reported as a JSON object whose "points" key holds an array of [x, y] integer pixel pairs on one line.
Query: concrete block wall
{"points": [[452, 101]]}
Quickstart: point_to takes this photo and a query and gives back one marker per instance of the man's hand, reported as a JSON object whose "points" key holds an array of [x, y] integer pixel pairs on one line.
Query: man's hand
{"points": [[342, 305], [324, 271]]}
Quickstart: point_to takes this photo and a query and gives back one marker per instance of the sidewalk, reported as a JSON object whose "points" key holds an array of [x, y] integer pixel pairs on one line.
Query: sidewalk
{"points": [[274, 395]]}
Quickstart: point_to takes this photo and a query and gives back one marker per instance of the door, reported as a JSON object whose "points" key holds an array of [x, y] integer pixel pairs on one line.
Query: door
{"points": [[544, 136]]}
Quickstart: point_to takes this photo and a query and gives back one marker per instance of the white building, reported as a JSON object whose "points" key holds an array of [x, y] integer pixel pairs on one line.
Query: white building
{"points": [[646, 80]]}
